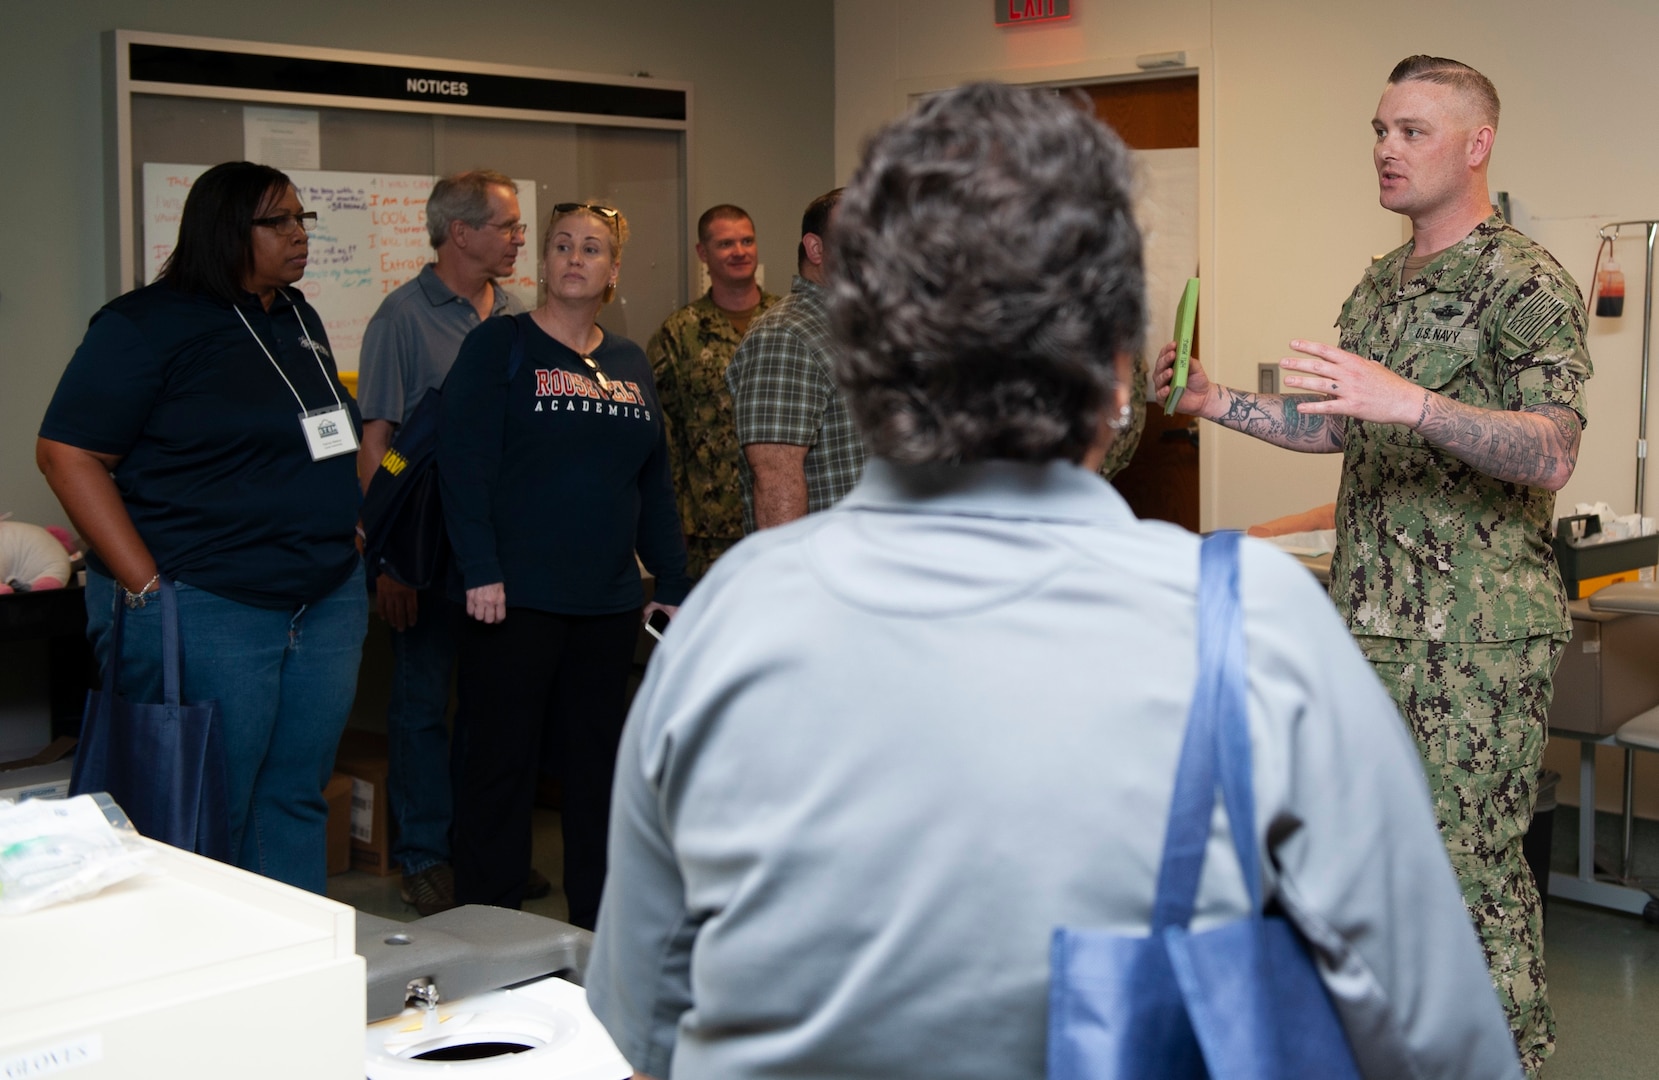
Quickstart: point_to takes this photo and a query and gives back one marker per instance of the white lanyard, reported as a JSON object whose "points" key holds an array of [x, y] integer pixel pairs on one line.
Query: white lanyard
{"points": [[328, 431]]}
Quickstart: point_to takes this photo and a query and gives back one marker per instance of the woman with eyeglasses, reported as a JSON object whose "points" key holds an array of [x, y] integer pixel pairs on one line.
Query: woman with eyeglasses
{"points": [[554, 472], [200, 436]]}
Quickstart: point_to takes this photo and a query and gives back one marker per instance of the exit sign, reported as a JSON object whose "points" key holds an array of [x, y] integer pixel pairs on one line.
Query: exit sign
{"points": [[1014, 12]]}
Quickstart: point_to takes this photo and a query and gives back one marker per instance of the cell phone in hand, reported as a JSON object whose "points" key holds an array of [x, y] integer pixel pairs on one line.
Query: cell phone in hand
{"points": [[657, 624]]}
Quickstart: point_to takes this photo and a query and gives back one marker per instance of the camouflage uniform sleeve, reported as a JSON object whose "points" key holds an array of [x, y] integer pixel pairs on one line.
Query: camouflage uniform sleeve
{"points": [[1541, 339], [1129, 439]]}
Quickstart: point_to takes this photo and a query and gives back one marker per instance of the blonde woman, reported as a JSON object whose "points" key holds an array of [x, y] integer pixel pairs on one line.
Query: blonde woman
{"points": [[554, 470]]}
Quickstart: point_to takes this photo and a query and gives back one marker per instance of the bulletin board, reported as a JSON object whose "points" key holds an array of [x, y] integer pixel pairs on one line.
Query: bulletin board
{"points": [[363, 136]]}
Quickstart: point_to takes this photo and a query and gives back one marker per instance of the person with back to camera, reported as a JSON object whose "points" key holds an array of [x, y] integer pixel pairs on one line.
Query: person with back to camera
{"points": [[887, 749], [551, 477], [175, 444]]}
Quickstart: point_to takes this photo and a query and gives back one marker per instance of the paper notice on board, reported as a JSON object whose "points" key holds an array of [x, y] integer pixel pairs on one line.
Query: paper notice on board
{"points": [[282, 138]]}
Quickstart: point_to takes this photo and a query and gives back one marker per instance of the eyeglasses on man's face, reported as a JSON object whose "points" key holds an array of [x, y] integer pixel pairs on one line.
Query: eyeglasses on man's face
{"points": [[286, 224], [512, 230], [605, 212]]}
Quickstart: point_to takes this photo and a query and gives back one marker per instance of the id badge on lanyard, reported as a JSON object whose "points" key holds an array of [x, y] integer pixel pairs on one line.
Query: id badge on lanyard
{"points": [[328, 432]]}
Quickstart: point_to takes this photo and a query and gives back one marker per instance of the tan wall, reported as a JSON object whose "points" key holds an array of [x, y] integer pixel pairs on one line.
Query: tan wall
{"points": [[1288, 214]]}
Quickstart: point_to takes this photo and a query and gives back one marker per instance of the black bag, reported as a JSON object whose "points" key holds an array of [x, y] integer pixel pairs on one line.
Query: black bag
{"points": [[403, 515], [163, 764]]}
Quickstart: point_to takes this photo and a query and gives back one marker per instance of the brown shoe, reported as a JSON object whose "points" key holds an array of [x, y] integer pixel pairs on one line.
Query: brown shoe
{"points": [[431, 890], [537, 886]]}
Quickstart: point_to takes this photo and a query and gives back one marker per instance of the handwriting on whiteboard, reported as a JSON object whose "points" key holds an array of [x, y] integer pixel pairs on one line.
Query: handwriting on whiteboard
{"points": [[370, 238]]}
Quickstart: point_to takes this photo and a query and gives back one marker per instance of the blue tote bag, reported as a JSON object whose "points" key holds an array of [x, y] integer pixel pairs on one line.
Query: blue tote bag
{"points": [[1241, 1001], [164, 763]]}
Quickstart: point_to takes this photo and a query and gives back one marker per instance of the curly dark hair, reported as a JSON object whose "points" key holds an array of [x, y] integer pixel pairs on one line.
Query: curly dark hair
{"points": [[985, 274]]}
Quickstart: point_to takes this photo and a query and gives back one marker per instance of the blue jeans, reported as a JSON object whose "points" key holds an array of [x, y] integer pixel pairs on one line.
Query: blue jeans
{"points": [[417, 736], [284, 681]]}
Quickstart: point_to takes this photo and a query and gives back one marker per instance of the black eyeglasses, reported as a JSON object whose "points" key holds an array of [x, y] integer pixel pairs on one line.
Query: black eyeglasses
{"points": [[287, 223], [605, 381], [603, 211]]}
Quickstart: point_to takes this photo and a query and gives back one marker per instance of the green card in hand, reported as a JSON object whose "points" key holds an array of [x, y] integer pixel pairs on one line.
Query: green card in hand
{"points": [[1186, 313]]}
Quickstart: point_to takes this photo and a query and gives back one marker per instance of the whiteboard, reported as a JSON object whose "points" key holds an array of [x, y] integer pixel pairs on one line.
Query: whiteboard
{"points": [[369, 239]]}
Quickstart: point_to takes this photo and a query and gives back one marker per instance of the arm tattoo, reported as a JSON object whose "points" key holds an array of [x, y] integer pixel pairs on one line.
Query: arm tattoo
{"points": [[1278, 419], [1508, 445]]}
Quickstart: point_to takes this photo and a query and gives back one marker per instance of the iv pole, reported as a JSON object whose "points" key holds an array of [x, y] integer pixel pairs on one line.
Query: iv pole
{"points": [[1652, 228]]}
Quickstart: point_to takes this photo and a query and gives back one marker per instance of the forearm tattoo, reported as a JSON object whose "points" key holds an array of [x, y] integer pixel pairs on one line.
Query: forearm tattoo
{"points": [[1508, 445], [1279, 419]]}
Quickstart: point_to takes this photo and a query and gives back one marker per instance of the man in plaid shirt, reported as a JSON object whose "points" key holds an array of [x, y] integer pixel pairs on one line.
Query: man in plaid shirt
{"points": [[801, 452]]}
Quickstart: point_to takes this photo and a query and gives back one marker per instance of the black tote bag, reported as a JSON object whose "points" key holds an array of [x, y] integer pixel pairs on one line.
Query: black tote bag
{"points": [[163, 764]]}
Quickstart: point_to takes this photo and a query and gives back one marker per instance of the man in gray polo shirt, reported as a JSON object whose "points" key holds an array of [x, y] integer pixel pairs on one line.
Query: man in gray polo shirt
{"points": [[408, 347]]}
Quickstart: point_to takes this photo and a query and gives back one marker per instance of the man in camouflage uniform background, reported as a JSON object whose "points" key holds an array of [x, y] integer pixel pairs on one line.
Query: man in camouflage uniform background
{"points": [[1457, 401], [689, 356], [1128, 440]]}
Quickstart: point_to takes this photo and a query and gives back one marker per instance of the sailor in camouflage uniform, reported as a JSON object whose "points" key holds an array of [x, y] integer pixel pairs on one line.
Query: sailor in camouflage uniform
{"points": [[1129, 439], [1457, 401], [689, 356]]}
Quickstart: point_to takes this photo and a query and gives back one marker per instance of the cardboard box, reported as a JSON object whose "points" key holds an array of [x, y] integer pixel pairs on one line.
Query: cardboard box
{"points": [[362, 756], [1608, 672], [338, 796], [40, 776]]}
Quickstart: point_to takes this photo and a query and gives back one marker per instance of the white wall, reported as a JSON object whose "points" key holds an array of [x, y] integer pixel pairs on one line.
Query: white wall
{"points": [[1287, 90], [762, 71]]}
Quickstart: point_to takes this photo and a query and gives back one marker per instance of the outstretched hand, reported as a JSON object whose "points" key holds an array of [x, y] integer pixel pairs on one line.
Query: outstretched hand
{"points": [[1352, 385]]}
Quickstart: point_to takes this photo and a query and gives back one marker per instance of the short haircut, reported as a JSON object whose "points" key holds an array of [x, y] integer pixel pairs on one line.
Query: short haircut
{"points": [[816, 221], [1474, 86], [464, 197], [985, 275], [213, 255], [723, 212]]}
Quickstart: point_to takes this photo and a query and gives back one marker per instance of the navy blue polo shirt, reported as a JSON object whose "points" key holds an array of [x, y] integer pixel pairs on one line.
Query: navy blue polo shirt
{"points": [[215, 471]]}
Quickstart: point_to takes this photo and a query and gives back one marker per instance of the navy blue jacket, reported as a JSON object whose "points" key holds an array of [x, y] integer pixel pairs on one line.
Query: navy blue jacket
{"points": [[549, 484]]}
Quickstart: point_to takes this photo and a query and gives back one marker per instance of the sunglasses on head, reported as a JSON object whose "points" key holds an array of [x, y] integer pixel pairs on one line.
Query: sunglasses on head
{"points": [[569, 207]]}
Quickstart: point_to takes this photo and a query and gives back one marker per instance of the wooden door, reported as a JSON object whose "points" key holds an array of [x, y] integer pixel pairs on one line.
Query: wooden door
{"points": [[1161, 481]]}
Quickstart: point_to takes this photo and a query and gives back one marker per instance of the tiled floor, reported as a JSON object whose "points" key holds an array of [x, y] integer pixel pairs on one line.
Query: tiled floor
{"points": [[379, 895], [1603, 966]]}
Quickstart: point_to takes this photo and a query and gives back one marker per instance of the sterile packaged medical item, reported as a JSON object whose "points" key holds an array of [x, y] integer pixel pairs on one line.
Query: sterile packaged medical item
{"points": [[52, 850]]}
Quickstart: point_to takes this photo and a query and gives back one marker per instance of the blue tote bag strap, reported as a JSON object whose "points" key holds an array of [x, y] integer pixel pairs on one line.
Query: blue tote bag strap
{"points": [[1216, 716], [1221, 633], [172, 652]]}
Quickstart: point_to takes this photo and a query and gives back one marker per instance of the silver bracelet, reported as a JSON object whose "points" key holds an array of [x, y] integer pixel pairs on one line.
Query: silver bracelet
{"points": [[136, 600]]}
